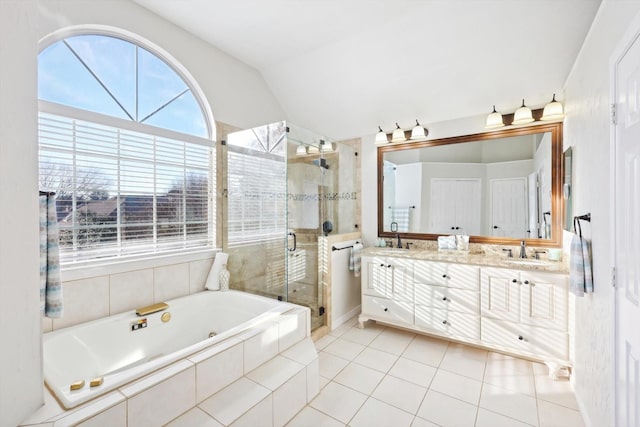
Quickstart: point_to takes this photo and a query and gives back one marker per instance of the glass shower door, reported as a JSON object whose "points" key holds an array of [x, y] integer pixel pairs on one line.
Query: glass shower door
{"points": [[305, 220]]}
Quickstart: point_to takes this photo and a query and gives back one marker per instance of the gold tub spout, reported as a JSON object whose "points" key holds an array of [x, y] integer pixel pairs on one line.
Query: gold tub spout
{"points": [[154, 308]]}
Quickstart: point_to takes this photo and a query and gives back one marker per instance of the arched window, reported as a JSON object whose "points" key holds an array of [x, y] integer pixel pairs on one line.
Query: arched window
{"points": [[127, 146]]}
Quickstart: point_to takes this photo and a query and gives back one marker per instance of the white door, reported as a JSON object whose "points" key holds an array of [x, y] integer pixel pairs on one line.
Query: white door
{"points": [[455, 206], [468, 206], [442, 206], [509, 207], [626, 145]]}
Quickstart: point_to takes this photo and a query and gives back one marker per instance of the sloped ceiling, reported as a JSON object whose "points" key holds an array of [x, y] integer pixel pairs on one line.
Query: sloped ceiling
{"points": [[343, 67]]}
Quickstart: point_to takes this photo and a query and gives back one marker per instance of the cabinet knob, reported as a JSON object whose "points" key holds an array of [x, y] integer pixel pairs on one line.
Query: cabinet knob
{"points": [[514, 281], [386, 309], [453, 228], [526, 282], [495, 227], [444, 298], [444, 276], [521, 338], [389, 266], [381, 265], [444, 322]]}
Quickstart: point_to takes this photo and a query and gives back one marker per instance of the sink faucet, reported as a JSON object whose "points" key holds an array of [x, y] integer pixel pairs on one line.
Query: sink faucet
{"points": [[523, 249], [399, 241]]}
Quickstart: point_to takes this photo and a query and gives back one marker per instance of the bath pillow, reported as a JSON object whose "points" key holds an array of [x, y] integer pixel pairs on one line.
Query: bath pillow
{"points": [[213, 279]]}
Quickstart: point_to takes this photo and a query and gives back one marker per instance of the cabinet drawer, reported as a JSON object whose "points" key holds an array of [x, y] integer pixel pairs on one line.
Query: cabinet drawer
{"points": [[460, 325], [538, 342], [458, 300], [387, 310], [446, 274]]}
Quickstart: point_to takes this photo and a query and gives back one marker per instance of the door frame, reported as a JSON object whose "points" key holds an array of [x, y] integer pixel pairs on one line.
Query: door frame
{"points": [[631, 35]]}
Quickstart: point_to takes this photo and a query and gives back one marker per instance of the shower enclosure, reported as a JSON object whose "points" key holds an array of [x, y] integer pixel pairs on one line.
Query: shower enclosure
{"points": [[286, 188]]}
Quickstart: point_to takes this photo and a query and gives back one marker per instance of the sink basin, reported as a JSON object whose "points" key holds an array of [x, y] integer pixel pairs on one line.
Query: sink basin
{"points": [[526, 262]]}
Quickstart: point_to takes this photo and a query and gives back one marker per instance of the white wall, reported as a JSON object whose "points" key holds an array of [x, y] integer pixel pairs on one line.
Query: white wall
{"points": [[237, 93], [587, 130], [20, 361]]}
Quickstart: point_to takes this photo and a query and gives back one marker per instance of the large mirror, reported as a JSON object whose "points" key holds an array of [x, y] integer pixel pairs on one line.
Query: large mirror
{"points": [[497, 187]]}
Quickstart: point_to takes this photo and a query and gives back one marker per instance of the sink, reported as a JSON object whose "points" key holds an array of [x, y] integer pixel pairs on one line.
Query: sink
{"points": [[526, 262]]}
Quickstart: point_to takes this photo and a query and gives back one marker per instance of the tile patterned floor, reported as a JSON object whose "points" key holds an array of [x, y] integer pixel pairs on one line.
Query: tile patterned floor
{"points": [[381, 376]]}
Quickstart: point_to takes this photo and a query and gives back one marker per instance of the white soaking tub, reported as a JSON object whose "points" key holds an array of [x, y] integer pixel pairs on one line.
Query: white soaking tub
{"points": [[112, 351]]}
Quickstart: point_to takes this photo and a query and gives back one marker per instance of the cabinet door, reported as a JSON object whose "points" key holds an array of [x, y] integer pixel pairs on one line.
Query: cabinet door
{"points": [[456, 325], [374, 277], [400, 273], [386, 310], [544, 300], [500, 294]]}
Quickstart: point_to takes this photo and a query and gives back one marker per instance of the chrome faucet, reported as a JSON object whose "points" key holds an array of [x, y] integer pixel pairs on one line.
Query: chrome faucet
{"points": [[523, 249], [399, 241]]}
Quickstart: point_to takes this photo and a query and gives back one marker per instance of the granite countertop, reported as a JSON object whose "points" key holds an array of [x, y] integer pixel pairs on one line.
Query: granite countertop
{"points": [[481, 259]]}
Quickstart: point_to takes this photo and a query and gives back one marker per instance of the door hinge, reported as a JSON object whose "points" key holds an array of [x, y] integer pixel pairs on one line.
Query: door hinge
{"points": [[613, 277], [613, 114]]}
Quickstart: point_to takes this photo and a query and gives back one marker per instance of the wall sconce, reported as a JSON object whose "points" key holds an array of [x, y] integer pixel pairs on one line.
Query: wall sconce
{"points": [[381, 137], [418, 132], [522, 115], [553, 110], [494, 120], [398, 134]]}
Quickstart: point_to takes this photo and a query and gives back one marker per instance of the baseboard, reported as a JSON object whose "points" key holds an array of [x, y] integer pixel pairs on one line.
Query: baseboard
{"points": [[581, 406], [342, 319]]}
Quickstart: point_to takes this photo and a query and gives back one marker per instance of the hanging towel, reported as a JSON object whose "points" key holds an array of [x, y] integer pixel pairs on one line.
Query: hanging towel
{"points": [[580, 273], [355, 261], [50, 284], [401, 217]]}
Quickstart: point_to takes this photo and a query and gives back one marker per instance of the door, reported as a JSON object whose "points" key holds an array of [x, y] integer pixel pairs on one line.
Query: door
{"points": [[509, 207], [534, 227], [626, 191], [455, 206]]}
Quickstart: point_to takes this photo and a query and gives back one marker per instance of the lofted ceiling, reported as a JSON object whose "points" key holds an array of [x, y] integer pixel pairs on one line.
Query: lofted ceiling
{"points": [[343, 67]]}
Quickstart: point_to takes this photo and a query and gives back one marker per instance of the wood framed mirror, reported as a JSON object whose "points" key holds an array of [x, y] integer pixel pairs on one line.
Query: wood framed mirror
{"points": [[498, 187]]}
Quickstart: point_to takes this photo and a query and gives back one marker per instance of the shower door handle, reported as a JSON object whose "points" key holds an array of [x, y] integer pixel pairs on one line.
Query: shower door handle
{"points": [[295, 242]]}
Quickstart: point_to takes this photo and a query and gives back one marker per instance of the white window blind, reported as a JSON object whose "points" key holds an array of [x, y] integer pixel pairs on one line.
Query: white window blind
{"points": [[257, 179], [126, 188]]}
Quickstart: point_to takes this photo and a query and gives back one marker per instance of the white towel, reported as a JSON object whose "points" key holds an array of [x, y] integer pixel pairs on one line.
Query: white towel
{"points": [[213, 279], [447, 243], [355, 260], [580, 274]]}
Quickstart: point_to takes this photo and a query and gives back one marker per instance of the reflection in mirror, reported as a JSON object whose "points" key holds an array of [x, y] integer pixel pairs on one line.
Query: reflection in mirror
{"points": [[567, 188], [499, 185]]}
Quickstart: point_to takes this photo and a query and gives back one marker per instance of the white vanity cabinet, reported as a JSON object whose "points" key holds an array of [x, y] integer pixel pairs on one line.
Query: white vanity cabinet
{"points": [[387, 290], [525, 311], [447, 298]]}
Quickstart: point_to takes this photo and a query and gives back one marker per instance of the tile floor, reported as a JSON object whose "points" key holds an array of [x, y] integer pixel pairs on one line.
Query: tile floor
{"points": [[381, 376]]}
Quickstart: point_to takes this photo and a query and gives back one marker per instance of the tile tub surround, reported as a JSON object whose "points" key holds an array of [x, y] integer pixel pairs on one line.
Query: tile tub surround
{"points": [[127, 287], [238, 370]]}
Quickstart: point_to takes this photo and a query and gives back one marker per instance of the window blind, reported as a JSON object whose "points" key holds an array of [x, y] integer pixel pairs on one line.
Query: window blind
{"points": [[126, 190]]}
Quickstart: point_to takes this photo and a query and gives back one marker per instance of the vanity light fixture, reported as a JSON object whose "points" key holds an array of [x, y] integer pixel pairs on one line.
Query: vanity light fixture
{"points": [[522, 115], [326, 147], [494, 120], [381, 137], [553, 110], [398, 134], [418, 132], [301, 150], [313, 149]]}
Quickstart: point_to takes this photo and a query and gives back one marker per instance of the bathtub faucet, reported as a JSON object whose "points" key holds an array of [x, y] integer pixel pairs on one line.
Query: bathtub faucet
{"points": [[154, 308]]}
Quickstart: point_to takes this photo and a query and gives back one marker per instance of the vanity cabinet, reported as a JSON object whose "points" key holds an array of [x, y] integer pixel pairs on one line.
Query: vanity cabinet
{"points": [[525, 311], [519, 311]]}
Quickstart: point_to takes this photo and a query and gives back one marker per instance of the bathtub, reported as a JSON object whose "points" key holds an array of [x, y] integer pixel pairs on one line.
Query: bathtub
{"points": [[118, 349]]}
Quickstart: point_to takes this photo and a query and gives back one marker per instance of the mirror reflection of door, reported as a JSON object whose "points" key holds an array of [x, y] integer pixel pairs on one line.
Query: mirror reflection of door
{"points": [[509, 207], [455, 206]]}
